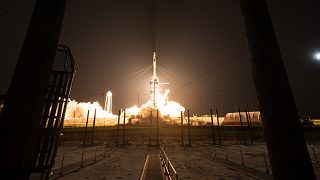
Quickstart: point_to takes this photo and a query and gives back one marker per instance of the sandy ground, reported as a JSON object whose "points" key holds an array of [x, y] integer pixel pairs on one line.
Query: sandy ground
{"points": [[126, 162]]}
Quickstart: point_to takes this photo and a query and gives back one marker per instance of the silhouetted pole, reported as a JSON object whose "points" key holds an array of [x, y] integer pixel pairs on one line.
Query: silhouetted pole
{"points": [[150, 124], [242, 130], [93, 126], [119, 114], [249, 126], [157, 127], [86, 130], [20, 123], [219, 135], [124, 127], [287, 149], [214, 140], [189, 128], [182, 128]]}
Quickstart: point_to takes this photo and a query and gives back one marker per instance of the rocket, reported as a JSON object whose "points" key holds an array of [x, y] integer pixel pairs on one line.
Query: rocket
{"points": [[154, 66]]}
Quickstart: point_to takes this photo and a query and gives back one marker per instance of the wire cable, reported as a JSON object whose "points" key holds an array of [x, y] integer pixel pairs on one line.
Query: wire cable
{"points": [[158, 32], [209, 71]]}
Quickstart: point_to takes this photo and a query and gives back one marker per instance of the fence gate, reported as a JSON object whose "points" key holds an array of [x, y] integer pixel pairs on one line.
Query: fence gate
{"points": [[53, 112]]}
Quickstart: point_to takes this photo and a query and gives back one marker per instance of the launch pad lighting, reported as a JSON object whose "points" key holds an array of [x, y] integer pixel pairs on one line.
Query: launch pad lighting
{"points": [[317, 56]]}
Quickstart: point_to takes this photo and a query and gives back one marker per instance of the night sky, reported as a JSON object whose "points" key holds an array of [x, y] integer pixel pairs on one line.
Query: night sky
{"points": [[200, 44]]}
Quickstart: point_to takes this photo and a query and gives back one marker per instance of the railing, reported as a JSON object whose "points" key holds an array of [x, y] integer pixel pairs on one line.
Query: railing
{"points": [[167, 167], [144, 171], [74, 160]]}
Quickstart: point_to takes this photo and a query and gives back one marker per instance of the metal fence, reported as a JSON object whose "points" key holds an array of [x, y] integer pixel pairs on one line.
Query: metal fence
{"points": [[167, 167], [74, 160]]}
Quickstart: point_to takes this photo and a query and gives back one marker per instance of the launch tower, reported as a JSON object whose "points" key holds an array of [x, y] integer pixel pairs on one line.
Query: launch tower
{"points": [[154, 83]]}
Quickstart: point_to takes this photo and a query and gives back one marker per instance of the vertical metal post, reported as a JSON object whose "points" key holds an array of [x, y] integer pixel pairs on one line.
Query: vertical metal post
{"points": [[82, 157], [61, 166], [119, 115], [189, 128], [93, 126], [265, 163], [157, 127], [182, 128], [29, 84], [150, 125], [95, 154], [124, 127], [249, 126], [225, 152], [214, 140], [219, 135], [242, 162], [315, 155], [286, 144], [215, 151], [86, 129], [242, 130]]}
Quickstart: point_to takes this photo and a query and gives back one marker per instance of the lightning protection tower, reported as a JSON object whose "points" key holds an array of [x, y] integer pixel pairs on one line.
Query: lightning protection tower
{"points": [[108, 102]]}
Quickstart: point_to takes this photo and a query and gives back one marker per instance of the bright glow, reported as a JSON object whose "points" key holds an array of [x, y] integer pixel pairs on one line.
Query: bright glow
{"points": [[76, 113], [164, 105], [158, 100], [317, 56], [134, 110]]}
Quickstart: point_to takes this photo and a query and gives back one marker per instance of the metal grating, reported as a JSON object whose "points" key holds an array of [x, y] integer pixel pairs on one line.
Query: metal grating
{"points": [[53, 113]]}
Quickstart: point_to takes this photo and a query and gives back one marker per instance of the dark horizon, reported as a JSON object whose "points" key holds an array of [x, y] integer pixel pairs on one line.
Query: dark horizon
{"points": [[112, 39]]}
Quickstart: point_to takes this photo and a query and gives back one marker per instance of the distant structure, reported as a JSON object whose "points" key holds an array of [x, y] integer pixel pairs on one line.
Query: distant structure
{"points": [[108, 102], [233, 119]]}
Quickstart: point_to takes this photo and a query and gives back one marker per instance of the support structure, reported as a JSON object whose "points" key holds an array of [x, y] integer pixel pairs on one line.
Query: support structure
{"points": [[286, 144], [20, 124], [154, 83]]}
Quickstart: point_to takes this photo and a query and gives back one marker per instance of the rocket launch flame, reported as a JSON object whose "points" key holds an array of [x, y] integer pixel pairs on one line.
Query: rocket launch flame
{"points": [[157, 101]]}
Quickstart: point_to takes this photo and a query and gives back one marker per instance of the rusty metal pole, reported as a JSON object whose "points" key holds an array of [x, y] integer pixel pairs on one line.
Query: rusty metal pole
{"points": [[150, 124], [20, 123], [189, 128], [214, 140], [124, 127], [241, 125], [119, 114], [86, 129], [157, 127], [182, 128], [286, 144], [93, 126], [219, 135], [249, 126]]}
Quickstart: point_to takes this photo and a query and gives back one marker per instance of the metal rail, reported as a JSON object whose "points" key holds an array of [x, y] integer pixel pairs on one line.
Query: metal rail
{"points": [[167, 167], [78, 159]]}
